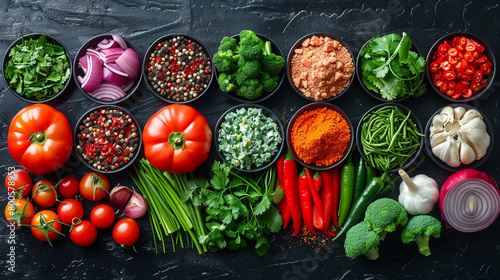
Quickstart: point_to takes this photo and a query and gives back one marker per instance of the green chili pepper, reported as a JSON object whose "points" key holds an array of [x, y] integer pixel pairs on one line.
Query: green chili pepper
{"points": [[347, 177], [359, 184]]}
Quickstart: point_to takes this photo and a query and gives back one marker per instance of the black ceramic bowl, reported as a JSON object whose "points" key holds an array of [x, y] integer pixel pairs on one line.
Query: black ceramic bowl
{"points": [[92, 43], [276, 50], [473, 164], [6, 60], [313, 106], [372, 93], [411, 161], [487, 51], [289, 65], [268, 113], [158, 91], [136, 146]]}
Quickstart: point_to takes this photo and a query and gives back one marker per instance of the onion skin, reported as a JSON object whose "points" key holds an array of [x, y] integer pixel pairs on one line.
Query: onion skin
{"points": [[119, 196], [136, 206], [466, 209]]}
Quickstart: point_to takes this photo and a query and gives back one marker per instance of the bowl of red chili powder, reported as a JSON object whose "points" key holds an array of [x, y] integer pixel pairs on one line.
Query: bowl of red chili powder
{"points": [[320, 136], [107, 139]]}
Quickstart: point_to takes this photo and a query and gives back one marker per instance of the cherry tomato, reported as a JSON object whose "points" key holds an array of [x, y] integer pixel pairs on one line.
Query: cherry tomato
{"points": [[68, 209], [102, 216], [69, 186], [94, 186], [44, 193], [83, 233], [126, 232], [49, 223], [18, 181], [14, 211]]}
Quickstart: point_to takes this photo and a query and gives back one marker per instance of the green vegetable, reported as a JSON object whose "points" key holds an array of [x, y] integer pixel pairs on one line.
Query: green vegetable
{"points": [[385, 215], [420, 229], [389, 137], [37, 69], [248, 138], [225, 61], [360, 181], [229, 44], [251, 89], [361, 239], [390, 68], [347, 177], [272, 63], [227, 82], [240, 211]]}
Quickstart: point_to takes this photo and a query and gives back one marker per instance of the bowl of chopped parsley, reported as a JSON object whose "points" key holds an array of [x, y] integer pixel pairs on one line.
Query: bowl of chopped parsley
{"points": [[391, 68], [249, 137], [37, 68]]}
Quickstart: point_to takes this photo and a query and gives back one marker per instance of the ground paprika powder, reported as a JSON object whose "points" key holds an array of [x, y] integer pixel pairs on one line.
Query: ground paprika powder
{"points": [[320, 136]]}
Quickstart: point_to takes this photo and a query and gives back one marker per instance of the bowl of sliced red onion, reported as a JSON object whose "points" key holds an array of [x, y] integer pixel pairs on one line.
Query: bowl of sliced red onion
{"points": [[107, 69]]}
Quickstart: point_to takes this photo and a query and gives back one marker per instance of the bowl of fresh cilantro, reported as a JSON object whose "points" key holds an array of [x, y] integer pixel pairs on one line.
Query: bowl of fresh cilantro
{"points": [[37, 68], [391, 68], [250, 137]]}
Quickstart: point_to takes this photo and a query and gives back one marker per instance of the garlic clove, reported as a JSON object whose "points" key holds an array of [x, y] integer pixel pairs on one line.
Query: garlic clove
{"points": [[449, 112], [467, 153], [437, 138], [474, 133], [448, 152], [469, 116], [459, 112], [439, 122]]}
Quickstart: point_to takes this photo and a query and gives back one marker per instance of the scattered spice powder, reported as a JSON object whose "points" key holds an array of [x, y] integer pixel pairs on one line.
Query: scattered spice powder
{"points": [[320, 136], [322, 67]]}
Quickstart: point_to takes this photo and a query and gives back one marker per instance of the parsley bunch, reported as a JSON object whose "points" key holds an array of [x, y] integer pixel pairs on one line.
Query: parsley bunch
{"points": [[390, 68], [37, 69], [239, 210]]}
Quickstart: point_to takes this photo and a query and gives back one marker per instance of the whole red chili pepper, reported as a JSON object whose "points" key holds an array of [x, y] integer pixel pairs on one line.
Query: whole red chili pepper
{"points": [[283, 204], [327, 197], [306, 202], [317, 221], [315, 195], [290, 182], [336, 195]]}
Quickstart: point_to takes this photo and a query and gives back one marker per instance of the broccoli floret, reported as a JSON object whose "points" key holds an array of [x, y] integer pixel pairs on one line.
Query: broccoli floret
{"points": [[251, 46], [269, 83], [419, 229], [225, 61], [227, 82], [272, 63], [361, 239], [251, 68], [251, 89], [384, 215], [229, 44]]}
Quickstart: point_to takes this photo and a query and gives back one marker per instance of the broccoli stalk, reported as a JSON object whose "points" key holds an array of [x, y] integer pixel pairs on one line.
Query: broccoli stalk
{"points": [[385, 215], [420, 229], [361, 240], [272, 63]]}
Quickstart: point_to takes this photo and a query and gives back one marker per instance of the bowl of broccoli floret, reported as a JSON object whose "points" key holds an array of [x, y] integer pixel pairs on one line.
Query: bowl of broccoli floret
{"points": [[249, 67]]}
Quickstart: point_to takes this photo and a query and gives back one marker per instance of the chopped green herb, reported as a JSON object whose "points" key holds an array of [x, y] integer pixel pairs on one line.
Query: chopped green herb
{"points": [[37, 69], [247, 138]]}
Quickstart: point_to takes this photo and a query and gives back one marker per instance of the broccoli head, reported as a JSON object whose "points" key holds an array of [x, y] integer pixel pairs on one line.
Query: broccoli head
{"points": [[250, 89], [384, 215], [229, 44], [419, 229], [226, 82], [269, 83], [251, 46], [361, 239], [271, 62], [225, 61], [250, 68]]}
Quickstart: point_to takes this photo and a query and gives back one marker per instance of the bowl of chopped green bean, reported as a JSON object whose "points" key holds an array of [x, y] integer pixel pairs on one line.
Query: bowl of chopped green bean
{"points": [[250, 137], [41, 79], [389, 137]]}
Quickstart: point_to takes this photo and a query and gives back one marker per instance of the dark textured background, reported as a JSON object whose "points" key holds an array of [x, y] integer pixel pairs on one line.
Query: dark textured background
{"points": [[454, 256]]}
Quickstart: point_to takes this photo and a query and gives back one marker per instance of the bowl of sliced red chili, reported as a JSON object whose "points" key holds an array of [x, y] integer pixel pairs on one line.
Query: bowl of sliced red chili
{"points": [[177, 68], [460, 67], [107, 138], [320, 136]]}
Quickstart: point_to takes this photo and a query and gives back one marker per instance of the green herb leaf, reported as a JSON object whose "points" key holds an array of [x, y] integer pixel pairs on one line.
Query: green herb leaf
{"points": [[263, 205]]}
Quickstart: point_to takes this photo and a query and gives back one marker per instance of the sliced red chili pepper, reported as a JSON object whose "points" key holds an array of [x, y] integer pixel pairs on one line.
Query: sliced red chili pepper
{"points": [[436, 75], [460, 48], [477, 86], [460, 86], [482, 59], [434, 67], [469, 70], [446, 65], [450, 92], [443, 48], [449, 75], [444, 87], [470, 47], [453, 60], [452, 84], [464, 64], [452, 52], [459, 66], [485, 68], [466, 77], [456, 95], [462, 41], [478, 76], [438, 83], [455, 40], [466, 93], [478, 46], [469, 57]]}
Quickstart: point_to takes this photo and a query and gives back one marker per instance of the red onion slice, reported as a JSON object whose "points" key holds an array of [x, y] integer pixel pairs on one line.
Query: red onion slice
{"points": [[130, 63], [120, 41], [108, 75], [92, 78], [116, 69], [106, 44], [128, 85], [108, 92]]}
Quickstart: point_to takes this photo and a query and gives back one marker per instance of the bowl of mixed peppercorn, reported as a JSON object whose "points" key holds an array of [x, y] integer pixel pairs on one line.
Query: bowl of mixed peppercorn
{"points": [[108, 138], [178, 68]]}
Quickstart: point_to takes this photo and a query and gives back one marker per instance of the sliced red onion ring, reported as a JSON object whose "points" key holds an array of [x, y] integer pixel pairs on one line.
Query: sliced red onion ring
{"points": [[130, 63], [106, 44], [128, 85], [110, 76], [108, 92], [469, 200], [120, 41], [110, 55], [93, 76], [93, 52], [116, 69]]}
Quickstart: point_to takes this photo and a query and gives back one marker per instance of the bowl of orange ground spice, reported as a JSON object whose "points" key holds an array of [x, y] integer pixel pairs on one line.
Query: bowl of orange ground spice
{"points": [[320, 136], [320, 67]]}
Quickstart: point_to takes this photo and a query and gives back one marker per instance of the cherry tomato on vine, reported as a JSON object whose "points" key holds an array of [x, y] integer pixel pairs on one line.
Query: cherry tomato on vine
{"points": [[102, 216], [46, 221], [94, 186], [14, 211], [44, 193], [83, 233], [68, 209], [69, 186], [17, 181], [126, 232]]}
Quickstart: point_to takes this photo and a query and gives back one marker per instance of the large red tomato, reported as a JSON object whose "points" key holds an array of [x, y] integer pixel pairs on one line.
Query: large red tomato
{"points": [[40, 139], [177, 139]]}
